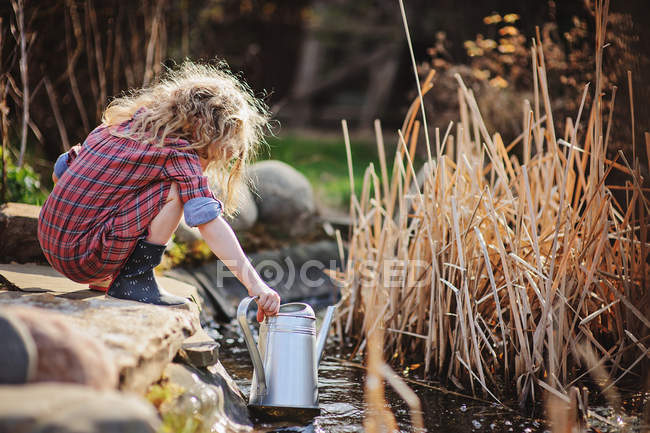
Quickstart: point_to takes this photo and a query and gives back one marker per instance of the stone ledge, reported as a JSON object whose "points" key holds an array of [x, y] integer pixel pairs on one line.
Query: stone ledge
{"points": [[200, 350], [142, 338], [66, 408], [217, 401]]}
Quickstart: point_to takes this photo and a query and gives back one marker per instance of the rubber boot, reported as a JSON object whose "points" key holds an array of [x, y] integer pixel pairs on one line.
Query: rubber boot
{"points": [[18, 357], [136, 280]]}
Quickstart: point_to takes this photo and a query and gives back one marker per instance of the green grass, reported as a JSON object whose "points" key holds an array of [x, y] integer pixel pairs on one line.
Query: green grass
{"points": [[324, 163]]}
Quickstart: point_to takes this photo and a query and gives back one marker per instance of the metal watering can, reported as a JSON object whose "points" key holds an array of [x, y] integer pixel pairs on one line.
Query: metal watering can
{"points": [[285, 376]]}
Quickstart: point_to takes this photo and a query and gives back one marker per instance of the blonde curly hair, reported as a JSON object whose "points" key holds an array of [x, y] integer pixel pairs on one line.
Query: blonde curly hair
{"points": [[209, 107]]}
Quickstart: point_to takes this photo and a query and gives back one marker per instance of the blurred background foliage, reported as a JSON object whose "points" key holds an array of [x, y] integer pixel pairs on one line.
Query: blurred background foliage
{"points": [[315, 63], [22, 184]]}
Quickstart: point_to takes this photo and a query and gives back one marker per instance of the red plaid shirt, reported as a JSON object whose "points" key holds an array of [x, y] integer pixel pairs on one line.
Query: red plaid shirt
{"points": [[106, 199]]}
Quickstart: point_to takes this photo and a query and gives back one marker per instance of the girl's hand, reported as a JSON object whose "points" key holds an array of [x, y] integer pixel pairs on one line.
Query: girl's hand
{"points": [[268, 302]]}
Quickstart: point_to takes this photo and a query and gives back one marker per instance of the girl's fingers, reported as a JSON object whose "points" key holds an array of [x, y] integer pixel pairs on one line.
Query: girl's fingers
{"points": [[268, 304], [262, 301]]}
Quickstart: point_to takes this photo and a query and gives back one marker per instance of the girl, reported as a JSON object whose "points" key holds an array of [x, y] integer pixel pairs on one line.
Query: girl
{"points": [[119, 197]]}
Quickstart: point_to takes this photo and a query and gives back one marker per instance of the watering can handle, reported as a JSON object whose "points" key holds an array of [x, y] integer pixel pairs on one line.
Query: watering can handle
{"points": [[250, 343]]}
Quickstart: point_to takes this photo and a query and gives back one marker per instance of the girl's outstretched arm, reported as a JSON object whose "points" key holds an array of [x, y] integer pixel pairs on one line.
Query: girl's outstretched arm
{"points": [[221, 239]]}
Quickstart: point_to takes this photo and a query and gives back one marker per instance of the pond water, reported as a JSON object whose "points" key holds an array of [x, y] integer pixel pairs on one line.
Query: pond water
{"points": [[342, 403], [341, 396]]}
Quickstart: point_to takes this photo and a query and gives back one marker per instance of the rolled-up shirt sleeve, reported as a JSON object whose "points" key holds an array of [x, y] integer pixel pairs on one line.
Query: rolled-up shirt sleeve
{"points": [[201, 210], [199, 203], [61, 165], [64, 160]]}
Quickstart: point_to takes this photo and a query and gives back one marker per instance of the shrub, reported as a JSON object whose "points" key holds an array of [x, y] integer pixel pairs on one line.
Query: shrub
{"points": [[22, 184]]}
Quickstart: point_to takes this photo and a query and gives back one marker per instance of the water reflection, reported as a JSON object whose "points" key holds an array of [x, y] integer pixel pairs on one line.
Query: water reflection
{"points": [[342, 405]]}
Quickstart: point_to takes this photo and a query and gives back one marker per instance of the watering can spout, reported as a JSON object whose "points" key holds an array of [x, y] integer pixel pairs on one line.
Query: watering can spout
{"points": [[250, 343], [324, 331]]}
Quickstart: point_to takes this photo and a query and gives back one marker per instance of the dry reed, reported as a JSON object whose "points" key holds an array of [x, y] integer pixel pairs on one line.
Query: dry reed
{"points": [[497, 271]]}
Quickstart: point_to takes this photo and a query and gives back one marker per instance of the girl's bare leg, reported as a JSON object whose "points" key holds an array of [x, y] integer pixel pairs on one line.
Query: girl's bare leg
{"points": [[164, 225], [160, 230], [136, 280]]}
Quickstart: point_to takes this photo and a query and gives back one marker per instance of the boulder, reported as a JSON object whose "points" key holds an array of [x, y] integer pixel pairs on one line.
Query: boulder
{"points": [[19, 355], [246, 214], [200, 350], [64, 353], [245, 218], [67, 408], [19, 233], [284, 197], [141, 338], [210, 395]]}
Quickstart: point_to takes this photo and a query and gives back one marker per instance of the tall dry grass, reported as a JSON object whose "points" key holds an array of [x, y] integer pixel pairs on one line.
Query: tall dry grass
{"points": [[504, 266]]}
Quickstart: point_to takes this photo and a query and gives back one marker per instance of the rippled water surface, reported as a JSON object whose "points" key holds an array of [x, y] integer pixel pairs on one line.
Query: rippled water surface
{"points": [[342, 405], [341, 400]]}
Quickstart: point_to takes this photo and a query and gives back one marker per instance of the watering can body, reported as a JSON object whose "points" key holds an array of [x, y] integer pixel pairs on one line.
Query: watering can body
{"points": [[286, 358]]}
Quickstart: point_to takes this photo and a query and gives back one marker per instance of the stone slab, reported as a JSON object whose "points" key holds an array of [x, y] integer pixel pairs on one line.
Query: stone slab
{"points": [[142, 338], [200, 350], [65, 408], [32, 277]]}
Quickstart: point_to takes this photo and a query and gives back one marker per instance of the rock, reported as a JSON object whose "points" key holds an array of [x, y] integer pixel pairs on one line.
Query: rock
{"points": [[200, 350], [247, 212], [244, 220], [66, 354], [209, 394], [19, 233], [141, 338], [65, 408], [284, 197], [19, 357]]}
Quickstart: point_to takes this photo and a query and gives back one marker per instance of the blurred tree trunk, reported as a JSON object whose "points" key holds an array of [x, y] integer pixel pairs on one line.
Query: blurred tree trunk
{"points": [[382, 77], [306, 79], [21, 38]]}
